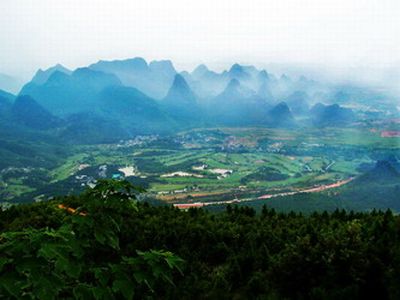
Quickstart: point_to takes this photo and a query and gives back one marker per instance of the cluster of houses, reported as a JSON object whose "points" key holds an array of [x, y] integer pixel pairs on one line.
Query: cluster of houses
{"points": [[139, 140]]}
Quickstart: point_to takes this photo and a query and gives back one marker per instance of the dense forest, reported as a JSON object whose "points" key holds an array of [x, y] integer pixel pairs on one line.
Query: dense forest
{"points": [[106, 244]]}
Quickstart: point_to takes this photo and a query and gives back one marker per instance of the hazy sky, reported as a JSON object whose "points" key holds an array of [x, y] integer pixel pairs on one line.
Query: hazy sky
{"points": [[40, 33]]}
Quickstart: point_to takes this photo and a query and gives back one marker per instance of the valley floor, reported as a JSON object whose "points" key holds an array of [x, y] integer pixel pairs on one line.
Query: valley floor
{"points": [[212, 165]]}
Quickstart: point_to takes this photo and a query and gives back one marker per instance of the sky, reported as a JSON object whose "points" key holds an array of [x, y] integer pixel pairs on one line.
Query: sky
{"points": [[328, 34]]}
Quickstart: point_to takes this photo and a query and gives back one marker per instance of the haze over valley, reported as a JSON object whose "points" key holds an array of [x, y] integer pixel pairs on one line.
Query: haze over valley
{"points": [[199, 149], [199, 136]]}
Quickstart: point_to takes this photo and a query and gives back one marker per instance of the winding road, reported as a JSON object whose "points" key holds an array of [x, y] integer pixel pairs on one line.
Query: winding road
{"points": [[267, 196]]}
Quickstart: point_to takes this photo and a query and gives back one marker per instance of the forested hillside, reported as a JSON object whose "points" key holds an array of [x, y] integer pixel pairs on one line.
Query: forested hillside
{"points": [[105, 245]]}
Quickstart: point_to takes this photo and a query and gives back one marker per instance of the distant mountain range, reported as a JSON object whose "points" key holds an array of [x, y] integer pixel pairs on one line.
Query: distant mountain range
{"points": [[153, 79], [7, 96], [281, 116], [133, 96], [29, 113], [180, 94], [9, 83], [64, 93], [332, 115], [42, 76]]}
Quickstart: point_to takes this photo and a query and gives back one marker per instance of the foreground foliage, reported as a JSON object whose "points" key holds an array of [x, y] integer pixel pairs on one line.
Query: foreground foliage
{"points": [[47, 252], [81, 256]]}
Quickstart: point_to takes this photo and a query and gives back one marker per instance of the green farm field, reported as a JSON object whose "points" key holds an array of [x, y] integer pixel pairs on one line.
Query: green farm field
{"points": [[210, 164]]}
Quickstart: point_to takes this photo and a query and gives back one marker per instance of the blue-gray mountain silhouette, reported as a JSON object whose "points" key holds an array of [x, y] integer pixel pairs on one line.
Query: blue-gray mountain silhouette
{"points": [[42, 76], [153, 79], [26, 111], [7, 95], [64, 94], [331, 115], [237, 104], [298, 103], [180, 102], [9, 83], [135, 111], [180, 93], [280, 116]]}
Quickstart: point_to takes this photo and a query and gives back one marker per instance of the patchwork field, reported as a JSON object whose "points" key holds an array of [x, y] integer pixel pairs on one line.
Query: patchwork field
{"points": [[215, 164]]}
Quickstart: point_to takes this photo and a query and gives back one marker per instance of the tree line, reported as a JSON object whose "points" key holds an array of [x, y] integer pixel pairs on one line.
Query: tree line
{"points": [[103, 244]]}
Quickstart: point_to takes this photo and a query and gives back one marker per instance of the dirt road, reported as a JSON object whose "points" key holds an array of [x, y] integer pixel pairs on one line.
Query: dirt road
{"points": [[315, 189]]}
